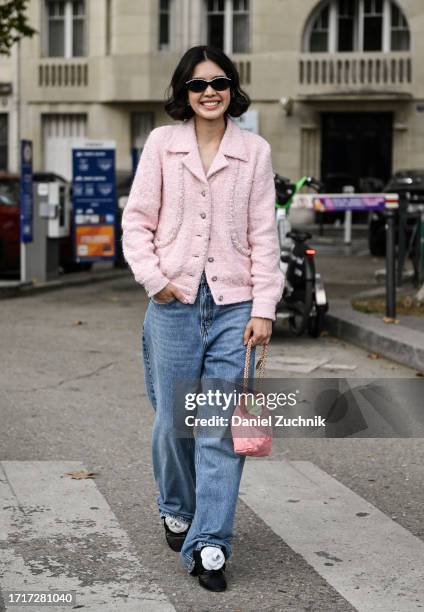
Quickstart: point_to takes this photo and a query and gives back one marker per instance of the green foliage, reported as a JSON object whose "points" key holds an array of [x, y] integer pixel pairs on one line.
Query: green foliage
{"points": [[13, 24]]}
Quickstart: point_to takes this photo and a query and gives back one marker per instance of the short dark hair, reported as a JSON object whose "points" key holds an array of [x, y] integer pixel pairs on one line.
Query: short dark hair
{"points": [[176, 103]]}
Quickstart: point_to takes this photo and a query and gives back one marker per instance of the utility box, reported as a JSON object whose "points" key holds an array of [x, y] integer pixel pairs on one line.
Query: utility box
{"points": [[59, 199], [52, 203]]}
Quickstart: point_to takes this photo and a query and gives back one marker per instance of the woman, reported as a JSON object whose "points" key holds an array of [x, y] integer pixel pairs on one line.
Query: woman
{"points": [[199, 233]]}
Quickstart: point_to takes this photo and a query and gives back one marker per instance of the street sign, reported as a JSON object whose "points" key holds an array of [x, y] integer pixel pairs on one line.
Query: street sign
{"points": [[94, 201], [336, 202], [347, 202], [26, 199]]}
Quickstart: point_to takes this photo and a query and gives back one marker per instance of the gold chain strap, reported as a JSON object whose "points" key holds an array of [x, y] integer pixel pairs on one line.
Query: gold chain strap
{"points": [[260, 366]]}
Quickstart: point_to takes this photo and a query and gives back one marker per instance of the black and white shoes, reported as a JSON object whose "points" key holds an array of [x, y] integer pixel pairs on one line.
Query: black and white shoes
{"points": [[209, 566], [209, 561], [175, 532]]}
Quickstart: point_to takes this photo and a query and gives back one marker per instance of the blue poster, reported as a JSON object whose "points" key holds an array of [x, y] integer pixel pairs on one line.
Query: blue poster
{"points": [[26, 198], [94, 204]]}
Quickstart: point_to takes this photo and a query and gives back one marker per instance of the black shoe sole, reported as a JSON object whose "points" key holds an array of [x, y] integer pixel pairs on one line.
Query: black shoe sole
{"points": [[210, 586]]}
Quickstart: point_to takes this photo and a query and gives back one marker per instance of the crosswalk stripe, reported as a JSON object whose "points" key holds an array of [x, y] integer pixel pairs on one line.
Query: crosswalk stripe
{"points": [[57, 533], [373, 562]]}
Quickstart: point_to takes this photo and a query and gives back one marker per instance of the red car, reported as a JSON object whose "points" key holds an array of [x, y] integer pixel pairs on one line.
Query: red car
{"points": [[9, 226]]}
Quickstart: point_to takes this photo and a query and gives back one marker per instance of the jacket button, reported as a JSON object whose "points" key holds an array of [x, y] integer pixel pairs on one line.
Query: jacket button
{"points": [[210, 259], [203, 215], [203, 193], [214, 278], [220, 298]]}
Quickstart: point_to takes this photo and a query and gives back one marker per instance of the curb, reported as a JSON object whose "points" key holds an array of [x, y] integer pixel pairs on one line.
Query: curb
{"points": [[83, 278], [396, 342]]}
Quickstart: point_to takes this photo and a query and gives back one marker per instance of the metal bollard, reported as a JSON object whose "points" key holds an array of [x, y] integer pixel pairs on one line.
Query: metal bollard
{"points": [[402, 246], [350, 189], [391, 206]]}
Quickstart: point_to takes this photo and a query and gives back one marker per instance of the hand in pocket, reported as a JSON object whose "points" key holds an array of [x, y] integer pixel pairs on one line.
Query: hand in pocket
{"points": [[168, 294]]}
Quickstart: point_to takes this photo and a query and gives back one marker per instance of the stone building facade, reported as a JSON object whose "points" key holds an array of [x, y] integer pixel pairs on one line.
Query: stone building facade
{"points": [[337, 85]]}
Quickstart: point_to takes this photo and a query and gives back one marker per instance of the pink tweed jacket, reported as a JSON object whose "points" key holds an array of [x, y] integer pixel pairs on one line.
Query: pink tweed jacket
{"points": [[179, 221]]}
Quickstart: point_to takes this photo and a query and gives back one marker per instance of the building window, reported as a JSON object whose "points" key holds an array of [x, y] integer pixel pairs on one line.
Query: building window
{"points": [[164, 24], [66, 28], [78, 21], [228, 25], [216, 23], [4, 142], [60, 133], [357, 25], [319, 33], [56, 29], [399, 32], [346, 25], [108, 28], [373, 25], [240, 26]]}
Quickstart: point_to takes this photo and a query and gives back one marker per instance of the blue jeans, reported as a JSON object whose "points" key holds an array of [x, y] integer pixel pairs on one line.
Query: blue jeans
{"points": [[198, 477]]}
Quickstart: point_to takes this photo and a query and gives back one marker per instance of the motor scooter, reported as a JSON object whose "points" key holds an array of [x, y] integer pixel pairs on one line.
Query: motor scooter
{"points": [[304, 301]]}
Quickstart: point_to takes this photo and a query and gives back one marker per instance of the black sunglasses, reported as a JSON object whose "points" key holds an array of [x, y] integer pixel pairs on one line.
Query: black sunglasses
{"points": [[219, 83]]}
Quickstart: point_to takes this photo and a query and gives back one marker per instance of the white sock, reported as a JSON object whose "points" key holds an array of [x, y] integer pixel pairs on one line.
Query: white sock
{"points": [[212, 557], [175, 525]]}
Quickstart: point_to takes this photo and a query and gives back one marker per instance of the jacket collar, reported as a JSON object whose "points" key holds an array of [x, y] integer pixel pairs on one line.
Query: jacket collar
{"points": [[184, 140]]}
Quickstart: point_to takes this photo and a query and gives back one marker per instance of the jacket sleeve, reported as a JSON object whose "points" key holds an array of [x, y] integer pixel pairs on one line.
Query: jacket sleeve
{"points": [[140, 218], [267, 278]]}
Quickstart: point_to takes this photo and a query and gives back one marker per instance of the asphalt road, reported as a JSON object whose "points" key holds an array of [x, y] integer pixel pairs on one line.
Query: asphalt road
{"points": [[72, 396]]}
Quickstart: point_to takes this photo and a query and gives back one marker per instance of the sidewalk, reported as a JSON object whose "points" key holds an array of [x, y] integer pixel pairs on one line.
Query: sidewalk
{"points": [[402, 342], [347, 273], [101, 271]]}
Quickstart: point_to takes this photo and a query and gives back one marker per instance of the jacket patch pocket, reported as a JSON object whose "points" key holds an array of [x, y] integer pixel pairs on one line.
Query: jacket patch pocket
{"points": [[172, 208], [238, 210], [244, 250]]}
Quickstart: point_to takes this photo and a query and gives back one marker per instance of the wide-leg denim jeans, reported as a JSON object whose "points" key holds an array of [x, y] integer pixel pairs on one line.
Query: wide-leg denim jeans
{"points": [[198, 477]]}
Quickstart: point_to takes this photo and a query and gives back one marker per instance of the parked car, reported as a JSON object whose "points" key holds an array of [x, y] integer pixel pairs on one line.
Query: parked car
{"points": [[406, 181], [9, 222], [9, 226]]}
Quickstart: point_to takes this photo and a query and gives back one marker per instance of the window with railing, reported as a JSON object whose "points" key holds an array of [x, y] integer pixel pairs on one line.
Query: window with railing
{"points": [[318, 38], [373, 22], [66, 24], [227, 24], [346, 24], [399, 31], [357, 25]]}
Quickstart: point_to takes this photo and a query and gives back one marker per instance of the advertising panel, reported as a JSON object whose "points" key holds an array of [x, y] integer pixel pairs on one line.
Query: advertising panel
{"points": [[94, 202]]}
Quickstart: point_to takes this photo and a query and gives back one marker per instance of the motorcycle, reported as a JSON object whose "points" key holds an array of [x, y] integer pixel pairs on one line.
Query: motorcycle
{"points": [[304, 300]]}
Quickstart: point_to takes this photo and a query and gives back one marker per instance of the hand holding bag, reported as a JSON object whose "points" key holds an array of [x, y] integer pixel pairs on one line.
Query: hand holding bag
{"points": [[252, 431]]}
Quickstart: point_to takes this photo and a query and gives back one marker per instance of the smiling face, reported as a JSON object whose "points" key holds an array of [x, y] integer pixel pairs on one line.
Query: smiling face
{"points": [[209, 104]]}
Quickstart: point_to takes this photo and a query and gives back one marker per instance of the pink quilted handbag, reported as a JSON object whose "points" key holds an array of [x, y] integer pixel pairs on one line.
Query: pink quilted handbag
{"points": [[251, 435]]}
